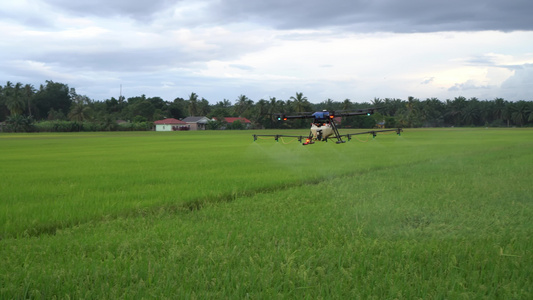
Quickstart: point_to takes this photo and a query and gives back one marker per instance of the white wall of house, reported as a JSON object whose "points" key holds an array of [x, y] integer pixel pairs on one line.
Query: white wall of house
{"points": [[163, 127]]}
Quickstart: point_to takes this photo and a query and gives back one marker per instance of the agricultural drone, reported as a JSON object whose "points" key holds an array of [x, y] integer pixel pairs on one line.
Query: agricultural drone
{"points": [[324, 127]]}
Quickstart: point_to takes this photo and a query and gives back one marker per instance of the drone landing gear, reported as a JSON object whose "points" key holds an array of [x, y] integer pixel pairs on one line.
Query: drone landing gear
{"points": [[337, 134]]}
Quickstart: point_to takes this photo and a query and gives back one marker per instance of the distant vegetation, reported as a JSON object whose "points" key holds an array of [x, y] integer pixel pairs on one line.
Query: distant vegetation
{"points": [[56, 107]]}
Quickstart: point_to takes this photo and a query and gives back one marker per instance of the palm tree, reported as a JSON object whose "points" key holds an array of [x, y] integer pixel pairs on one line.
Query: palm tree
{"points": [[203, 107], [193, 104], [507, 113], [226, 103], [470, 114], [272, 110], [300, 102], [14, 99], [412, 111], [329, 104], [28, 93], [520, 113], [530, 118], [346, 104], [80, 111], [301, 105], [456, 108], [377, 102], [261, 110], [242, 105], [499, 108]]}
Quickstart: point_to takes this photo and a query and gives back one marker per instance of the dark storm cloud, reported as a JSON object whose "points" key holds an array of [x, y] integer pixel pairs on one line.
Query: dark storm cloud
{"points": [[352, 15], [136, 9], [382, 15]]}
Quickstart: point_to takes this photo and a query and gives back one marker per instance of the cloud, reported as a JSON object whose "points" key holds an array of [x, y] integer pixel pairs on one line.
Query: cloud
{"points": [[519, 85], [468, 85], [223, 48], [428, 80], [242, 67], [347, 15], [381, 15], [135, 9]]}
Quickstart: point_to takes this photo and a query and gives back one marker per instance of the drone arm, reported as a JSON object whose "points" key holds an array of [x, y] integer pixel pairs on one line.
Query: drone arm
{"points": [[360, 112], [373, 132], [299, 117], [277, 136]]}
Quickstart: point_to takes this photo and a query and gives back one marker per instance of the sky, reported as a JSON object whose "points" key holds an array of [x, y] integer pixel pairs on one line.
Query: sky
{"points": [[221, 49]]}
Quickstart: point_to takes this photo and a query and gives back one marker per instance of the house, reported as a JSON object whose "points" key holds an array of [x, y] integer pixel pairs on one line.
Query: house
{"points": [[170, 124], [196, 123], [247, 123], [242, 120]]}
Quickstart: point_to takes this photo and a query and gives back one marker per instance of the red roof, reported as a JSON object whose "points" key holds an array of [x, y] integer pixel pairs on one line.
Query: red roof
{"points": [[231, 120], [170, 121]]}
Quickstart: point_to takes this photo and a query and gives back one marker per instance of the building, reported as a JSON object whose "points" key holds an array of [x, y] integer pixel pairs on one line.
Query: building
{"points": [[170, 124], [242, 120], [196, 123], [247, 123]]}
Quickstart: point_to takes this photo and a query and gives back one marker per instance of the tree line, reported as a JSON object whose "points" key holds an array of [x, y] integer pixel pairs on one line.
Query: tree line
{"points": [[56, 107]]}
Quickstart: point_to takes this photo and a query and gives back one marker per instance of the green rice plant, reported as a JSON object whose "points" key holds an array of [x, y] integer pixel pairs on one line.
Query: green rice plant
{"points": [[52, 181], [433, 214]]}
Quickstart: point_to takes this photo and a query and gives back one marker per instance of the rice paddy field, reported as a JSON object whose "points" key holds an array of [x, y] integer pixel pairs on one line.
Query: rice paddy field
{"points": [[430, 214]]}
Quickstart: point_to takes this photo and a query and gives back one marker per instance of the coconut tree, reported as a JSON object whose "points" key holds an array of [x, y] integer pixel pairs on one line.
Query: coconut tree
{"points": [[242, 104], [13, 98], [28, 93], [300, 102], [377, 102], [80, 110], [347, 104], [193, 104], [261, 112], [329, 104], [413, 113]]}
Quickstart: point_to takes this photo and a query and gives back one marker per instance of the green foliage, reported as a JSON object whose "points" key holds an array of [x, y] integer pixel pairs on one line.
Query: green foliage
{"points": [[236, 125], [75, 126], [55, 101], [52, 96], [13, 98], [136, 126], [214, 124], [56, 115], [139, 119], [19, 123]]}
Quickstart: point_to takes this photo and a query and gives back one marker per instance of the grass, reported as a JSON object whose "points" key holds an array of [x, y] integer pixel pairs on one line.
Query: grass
{"points": [[430, 214]]}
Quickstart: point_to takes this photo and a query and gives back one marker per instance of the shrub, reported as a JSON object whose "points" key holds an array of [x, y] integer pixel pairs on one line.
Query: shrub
{"points": [[19, 123]]}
